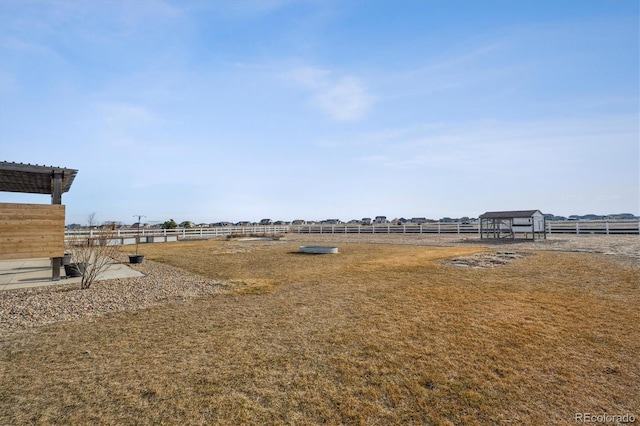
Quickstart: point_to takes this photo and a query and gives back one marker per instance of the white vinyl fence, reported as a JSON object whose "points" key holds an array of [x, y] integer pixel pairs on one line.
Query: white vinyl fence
{"points": [[149, 235], [553, 227], [156, 235]]}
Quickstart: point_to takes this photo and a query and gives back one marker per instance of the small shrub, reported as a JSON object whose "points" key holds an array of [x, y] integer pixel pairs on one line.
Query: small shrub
{"points": [[97, 253]]}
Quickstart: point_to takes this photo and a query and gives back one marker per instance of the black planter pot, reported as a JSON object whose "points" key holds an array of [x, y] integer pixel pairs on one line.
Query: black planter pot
{"points": [[136, 258], [66, 259], [74, 270]]}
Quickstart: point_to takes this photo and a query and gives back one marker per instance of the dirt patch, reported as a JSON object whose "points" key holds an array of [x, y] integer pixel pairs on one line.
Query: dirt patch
{"points": [[485, 260]]}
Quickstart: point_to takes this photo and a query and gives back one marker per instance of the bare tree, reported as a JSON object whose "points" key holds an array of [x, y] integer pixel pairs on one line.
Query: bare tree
{"points": [[92, 219], [93, 255]]}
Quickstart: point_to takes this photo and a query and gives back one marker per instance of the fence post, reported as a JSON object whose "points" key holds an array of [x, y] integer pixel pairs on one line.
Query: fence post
{"points": [[607, 227], [458, 227], [438, 227], [577, 228]]}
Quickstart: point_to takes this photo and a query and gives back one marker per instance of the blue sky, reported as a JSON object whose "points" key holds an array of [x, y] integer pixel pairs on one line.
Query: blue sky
{"points": [[243, 110]]}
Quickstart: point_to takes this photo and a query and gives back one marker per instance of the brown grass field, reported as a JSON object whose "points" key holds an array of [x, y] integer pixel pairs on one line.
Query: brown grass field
{"points": [[378, 334]]}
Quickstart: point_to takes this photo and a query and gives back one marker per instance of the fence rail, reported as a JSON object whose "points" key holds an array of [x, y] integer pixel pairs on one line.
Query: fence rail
{"points": [[127, 236]]}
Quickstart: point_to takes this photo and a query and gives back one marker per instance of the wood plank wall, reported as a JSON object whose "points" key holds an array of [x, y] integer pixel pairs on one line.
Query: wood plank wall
{"points": [[29, 231]]}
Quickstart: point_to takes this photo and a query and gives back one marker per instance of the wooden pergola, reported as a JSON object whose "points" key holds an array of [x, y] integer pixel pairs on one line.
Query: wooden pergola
{"points": [[31, 230]]}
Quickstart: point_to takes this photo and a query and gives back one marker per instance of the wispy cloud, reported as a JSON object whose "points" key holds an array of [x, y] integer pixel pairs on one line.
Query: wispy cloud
{"points": [[343, 98], [565, 146], [116, 125], [451, 70]]}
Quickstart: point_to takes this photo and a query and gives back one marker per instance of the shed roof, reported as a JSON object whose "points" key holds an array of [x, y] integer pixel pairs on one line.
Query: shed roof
{"points": [[509, 214], [33, 179]]}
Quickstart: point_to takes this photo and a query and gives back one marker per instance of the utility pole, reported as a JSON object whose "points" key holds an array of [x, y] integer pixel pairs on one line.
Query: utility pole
{"points": [[139, 216]]}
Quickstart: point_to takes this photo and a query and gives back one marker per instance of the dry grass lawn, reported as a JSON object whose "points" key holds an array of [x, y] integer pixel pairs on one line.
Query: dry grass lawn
{"points": [[378, 334]]}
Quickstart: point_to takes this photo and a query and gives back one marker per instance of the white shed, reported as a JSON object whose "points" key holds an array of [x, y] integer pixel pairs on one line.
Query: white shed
{"points": [[507, 224]]}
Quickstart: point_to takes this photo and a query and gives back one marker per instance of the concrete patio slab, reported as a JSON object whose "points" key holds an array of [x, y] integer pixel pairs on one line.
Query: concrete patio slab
{"points": [[26, 273]]}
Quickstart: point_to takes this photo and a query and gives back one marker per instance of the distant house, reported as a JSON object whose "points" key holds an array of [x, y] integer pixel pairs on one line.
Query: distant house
{"points": [[418, 220], [243, 223], [380, 219], [506, 224], [265, 222], [366, 221], [622, 216], [331, 222], [298, 222], [223, 224]]}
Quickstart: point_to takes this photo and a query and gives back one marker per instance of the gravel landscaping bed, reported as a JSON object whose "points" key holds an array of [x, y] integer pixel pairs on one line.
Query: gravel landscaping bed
{"points": [[25, 308]]}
